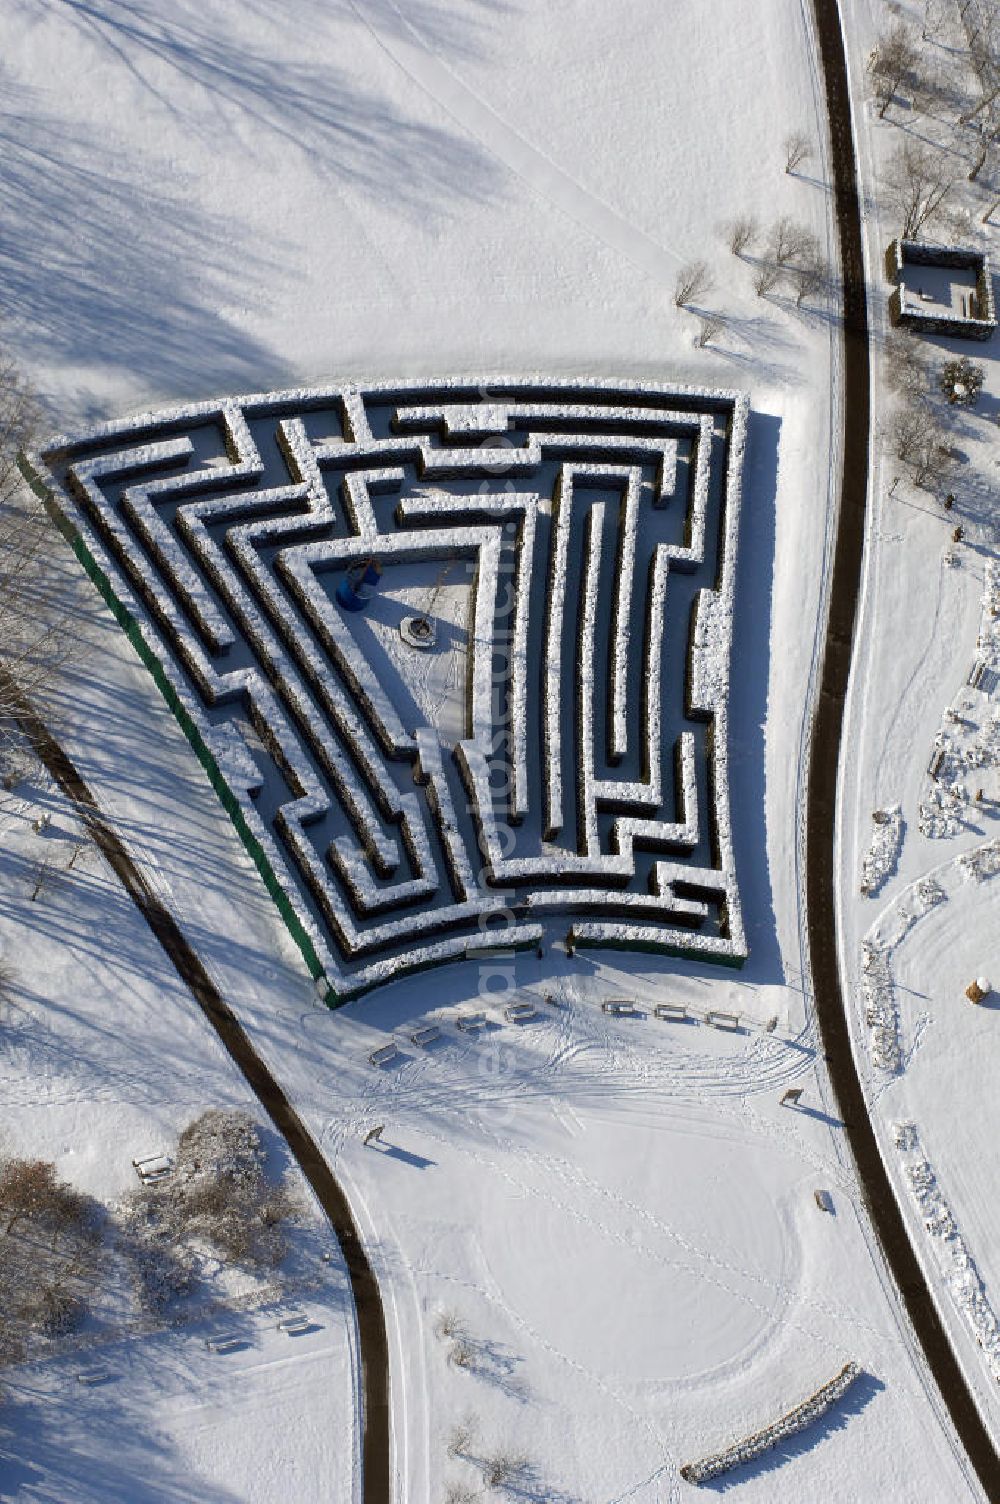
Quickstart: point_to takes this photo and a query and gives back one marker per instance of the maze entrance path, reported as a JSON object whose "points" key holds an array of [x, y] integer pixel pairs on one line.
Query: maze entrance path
{"points": [[558, 759]]}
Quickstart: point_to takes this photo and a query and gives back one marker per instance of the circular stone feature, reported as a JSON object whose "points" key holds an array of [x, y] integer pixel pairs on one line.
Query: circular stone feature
{"points": [[418, 631]]}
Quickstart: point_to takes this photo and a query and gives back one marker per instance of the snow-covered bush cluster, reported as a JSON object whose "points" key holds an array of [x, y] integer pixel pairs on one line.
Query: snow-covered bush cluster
{"points": [[982, 863], [227, 585], [878, 1008], [925, 894], [961, 747], [883, 853], [218, 1200], [958, 1268], [988, 641], [751, 1447]]}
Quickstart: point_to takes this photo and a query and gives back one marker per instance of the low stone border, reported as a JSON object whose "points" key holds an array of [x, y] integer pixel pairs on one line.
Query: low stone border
{"points": [[751, 1447]]}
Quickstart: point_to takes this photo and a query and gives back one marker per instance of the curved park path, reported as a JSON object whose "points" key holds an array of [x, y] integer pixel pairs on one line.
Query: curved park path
{"points": [[374, 1350], [880, 1198]]}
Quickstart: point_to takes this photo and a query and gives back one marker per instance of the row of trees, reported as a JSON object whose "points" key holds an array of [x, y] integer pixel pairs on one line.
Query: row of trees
{"points": [[57, 1244], [916, 431], [784, 254], [956, 88], [34, 639]]}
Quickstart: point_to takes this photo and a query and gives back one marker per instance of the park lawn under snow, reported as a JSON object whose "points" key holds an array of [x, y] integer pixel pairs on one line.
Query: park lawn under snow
{"points": [[619, 1215], [926, 620], [105, 1060]]}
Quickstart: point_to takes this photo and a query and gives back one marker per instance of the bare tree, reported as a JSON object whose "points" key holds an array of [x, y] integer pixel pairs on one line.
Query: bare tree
{"points": [[790, 241], [766, 278], [809, 275], [33, 637], [891, 61], [26, 1188], [502, 1468], [8, 980], [741, 232], [41, 874], [79, 847], [694, 280], [987, 140], [50, 1246], [934, 14], [907, 368], [920, 443], [709, 325], [461, 1353], [797, 148], [462, 1437], [918, 180], [447, 1325], [982, 114]]}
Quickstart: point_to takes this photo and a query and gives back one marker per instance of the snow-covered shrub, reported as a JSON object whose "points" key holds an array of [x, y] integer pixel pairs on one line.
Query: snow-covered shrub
{"points": [[161, 1267], [878, 1008], [218, 1198], [961, 1275], [982, 863], [883, 853]]}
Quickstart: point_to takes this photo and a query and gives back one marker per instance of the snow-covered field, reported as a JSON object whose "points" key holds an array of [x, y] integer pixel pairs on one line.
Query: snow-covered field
{"points": [[617, 1215], [104, 1060]]}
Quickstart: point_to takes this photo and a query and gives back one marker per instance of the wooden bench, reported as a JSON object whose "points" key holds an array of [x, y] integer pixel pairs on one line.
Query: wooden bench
{"points": [[468, 1022], [295, 1325], [620, 1007], [425, 1035], [720, 1020], [154, 1167], [671, 1013], [520, 1013], [228, 1344], [383, 1054]]}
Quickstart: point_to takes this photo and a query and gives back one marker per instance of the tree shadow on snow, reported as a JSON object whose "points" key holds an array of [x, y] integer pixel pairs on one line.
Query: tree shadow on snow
{"points": [[110, 261], [86, 1447]]}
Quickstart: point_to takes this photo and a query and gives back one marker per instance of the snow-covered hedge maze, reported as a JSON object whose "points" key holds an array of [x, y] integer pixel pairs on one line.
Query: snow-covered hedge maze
{"points": [[592, 528]]}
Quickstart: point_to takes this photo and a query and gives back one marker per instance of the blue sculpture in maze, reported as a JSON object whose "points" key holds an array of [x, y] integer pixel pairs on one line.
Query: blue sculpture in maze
{"points": [[595, 528]]}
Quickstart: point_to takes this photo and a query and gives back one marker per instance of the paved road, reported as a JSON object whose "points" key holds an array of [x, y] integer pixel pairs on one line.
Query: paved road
{"points": [[376, 1466], [883, 1207]]}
